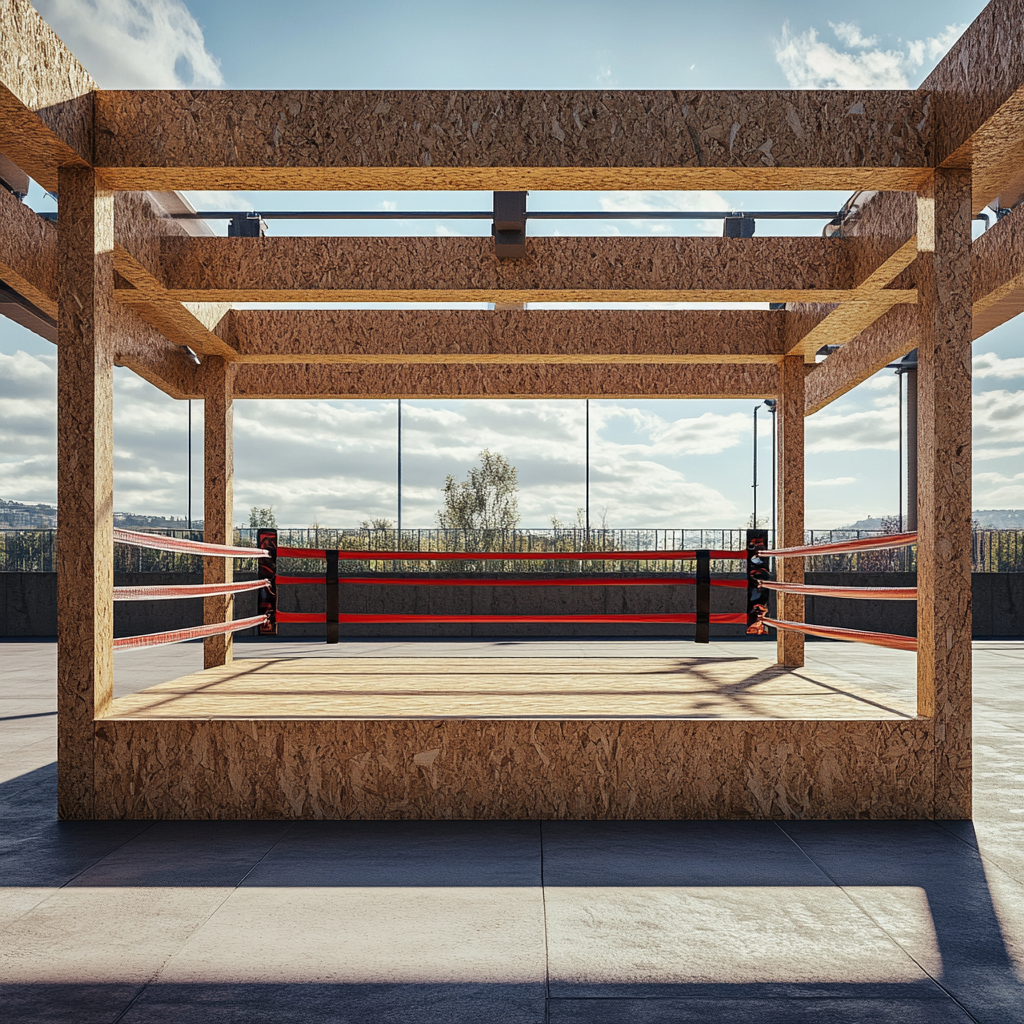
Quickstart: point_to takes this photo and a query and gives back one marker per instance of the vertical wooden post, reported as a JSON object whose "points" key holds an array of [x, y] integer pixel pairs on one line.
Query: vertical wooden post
{"points": [[790, 418], [85, 481], [218, 525], [944, 484]]}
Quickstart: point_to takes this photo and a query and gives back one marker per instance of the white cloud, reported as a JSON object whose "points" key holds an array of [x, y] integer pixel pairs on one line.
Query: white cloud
{"points": [[836, 481], [811, 63], [998, 417], [135, 44], [847, 432], [614, 202], [988, 364]]}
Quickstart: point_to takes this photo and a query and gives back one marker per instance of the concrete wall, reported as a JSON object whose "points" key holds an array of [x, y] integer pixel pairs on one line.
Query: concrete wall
{"points": [[28, 607]]}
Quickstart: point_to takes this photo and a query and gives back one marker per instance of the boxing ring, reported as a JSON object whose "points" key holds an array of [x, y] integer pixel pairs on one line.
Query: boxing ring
{"points": [[710, 735]]}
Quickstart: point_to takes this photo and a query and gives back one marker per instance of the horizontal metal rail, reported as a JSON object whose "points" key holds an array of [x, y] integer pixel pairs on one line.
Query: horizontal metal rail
{"points": [[489, 215]]}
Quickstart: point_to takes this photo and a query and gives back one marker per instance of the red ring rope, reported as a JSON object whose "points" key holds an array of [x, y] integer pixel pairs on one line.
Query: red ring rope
{"points": [[861, 593], [894, 540], [185, 590], [297, 617], [191, 547], [582, 581], [178, 636], [899, 643], [508, 556]]}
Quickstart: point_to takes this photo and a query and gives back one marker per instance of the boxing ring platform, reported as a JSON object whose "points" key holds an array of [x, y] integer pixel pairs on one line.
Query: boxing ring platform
{"points": [[473, 738]]}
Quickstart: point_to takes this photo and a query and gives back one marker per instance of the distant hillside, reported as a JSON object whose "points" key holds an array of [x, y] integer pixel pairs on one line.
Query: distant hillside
{"points": [[17, 515], [987, 519]]}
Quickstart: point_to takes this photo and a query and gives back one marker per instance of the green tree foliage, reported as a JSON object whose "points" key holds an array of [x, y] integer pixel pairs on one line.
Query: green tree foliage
{"points": [[262, 518], [377, 524], [488, 499]]}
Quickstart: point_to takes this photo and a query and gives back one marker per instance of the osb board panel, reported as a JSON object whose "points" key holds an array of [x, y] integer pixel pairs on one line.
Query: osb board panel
{"points": [[978, 95], [849, 320], [321, 130], [336, 380], [522, 688], [45, 97], [470, 335], [466, 269], [889, 338], [28, 253], [513, 769], [878, 227], [997, 267]]}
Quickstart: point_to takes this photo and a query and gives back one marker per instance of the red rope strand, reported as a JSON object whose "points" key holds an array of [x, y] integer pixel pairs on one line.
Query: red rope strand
{"points": [[581, 581], [891, 640], [311, 617], [166, 593], [509, 556], [178, 636], [860, 593], [191, 547], [894, 540]]}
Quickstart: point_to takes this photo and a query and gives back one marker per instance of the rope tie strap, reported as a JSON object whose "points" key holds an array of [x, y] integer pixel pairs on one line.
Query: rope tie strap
{"points": [[176, 592], [860, 593], [189, 547], [178, 636]]}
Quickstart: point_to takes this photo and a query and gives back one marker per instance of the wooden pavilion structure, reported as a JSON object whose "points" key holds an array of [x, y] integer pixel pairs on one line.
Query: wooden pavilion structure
{"points": [[127, 285]]}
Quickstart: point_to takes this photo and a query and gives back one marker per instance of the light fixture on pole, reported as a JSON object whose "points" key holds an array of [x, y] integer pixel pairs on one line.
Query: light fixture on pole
{"points": [[771, 405], [753, 519]]}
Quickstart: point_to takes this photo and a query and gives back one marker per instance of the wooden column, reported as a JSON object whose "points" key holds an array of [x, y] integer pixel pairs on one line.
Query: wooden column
{"points": [[944, 484], [85, 481], [218, 526], [790, 416]]}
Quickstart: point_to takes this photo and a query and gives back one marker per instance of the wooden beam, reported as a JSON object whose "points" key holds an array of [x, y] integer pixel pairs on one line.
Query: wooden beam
{"points": [[889, 338], [45, 97], [343, 269], [143, 350], [204, 139], [790, 425], [848, 321], [28, 253], [85, 483], [944, 493], [977, 92], [505, 336], [339, 380], [218, 503], [997, 265]]}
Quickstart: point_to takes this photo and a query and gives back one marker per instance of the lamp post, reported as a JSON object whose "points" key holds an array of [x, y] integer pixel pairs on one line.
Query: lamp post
{"points": [[753, 521], [190, 464], [587, 431], [398, 538], [771, 404]]}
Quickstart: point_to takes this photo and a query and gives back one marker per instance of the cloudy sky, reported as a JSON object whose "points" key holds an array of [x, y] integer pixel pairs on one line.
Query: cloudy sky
{"points": [[653, 463]]}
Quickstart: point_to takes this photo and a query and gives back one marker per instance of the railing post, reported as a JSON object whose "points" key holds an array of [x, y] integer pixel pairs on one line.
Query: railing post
{"points": [[332, 597], [702, 634]]}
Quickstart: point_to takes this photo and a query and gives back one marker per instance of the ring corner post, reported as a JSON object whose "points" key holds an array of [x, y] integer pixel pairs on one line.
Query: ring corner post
{"points": [[85, 482], [331, 615], [702, 632], [218, 504], [944, 486], [266, 569], [790, 482]]}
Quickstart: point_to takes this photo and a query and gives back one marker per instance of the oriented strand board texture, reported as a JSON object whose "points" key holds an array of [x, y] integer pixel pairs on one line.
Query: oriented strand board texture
{"points": [[578, 335], [944, 493], [997, 259], [350, 268], [789, 419], [431, 133], [85, 481], [978, 95], [345, 380], [879, 226], [848, 320], [514, 769], [218, 501], [28, 253], [889, 338], [45, 97], [747, 688]]}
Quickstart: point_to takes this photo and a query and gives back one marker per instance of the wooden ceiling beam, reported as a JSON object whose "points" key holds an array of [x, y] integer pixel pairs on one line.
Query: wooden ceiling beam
{"points": [[46, 97], [348, 269], [997, 259], [28, 254], [505, 336], [977, 93], [336, 380]]}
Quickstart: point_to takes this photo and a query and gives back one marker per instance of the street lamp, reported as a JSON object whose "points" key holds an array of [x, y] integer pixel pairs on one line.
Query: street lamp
{"points": [[771, 405], [753, 520]]}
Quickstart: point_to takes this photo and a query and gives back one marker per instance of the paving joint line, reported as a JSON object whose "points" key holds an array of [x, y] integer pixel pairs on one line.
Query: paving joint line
{"points": [[885, 931]]}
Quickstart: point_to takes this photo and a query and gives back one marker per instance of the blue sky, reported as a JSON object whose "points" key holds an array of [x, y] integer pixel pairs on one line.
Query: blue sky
{"points": [[654, 463]]}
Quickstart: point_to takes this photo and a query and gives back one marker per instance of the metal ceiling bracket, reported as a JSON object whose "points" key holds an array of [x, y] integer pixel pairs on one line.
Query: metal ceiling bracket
{"points": [[738, 227], [509, 227]]}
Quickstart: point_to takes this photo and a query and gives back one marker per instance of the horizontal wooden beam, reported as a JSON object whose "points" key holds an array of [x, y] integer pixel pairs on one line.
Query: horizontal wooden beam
{"points": [[997, 259], [344, 269], [45, 97], [143, 350], [887, 339], [505, 336], [28, 254], [512, 140], [339, 380], [977, 93], [849, 320]]}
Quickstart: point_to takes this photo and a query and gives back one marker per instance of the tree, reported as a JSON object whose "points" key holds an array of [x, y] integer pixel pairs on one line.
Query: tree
{"points": [[377, 524], [488, 499], [262, 518]]}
